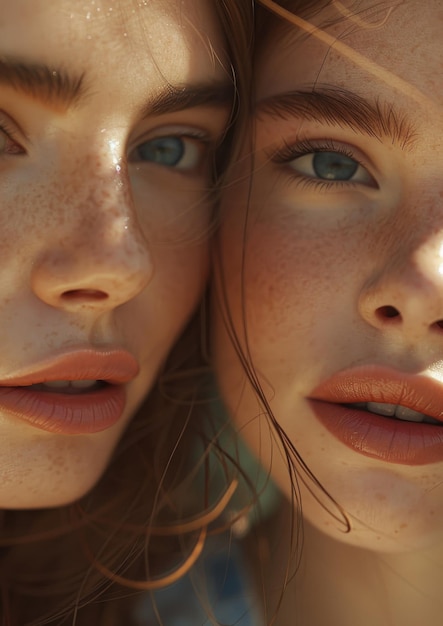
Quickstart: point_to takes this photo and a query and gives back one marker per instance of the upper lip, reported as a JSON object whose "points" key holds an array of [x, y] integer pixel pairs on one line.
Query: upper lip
{"points": [[418, 392], [115, 366]]}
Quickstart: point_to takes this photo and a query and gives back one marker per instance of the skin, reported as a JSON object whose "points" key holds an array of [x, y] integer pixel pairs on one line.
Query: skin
{"points": [[101, 247], [307, 272]]}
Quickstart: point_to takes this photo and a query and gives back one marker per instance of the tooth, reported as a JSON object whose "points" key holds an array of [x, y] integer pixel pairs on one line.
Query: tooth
{"points": [[400, 412], [83, 384], [381, 408], [409, 415], [56, 383], [431, 420]]}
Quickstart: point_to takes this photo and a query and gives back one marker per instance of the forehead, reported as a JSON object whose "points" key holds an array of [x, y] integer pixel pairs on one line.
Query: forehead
{"points": [[378, 48], [171, 35]]}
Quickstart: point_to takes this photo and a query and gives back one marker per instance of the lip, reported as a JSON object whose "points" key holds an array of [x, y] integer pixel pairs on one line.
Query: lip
{"points": [[70, 414], [375, 436]]}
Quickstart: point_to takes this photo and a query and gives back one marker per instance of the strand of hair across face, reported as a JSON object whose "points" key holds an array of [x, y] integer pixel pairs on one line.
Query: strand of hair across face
{"points": [[357, 20], [358, 59], [165, 580]]}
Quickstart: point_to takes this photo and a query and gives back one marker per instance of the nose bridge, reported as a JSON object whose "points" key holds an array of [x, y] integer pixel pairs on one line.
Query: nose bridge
{"points": [[98, 254], [99, 205]]}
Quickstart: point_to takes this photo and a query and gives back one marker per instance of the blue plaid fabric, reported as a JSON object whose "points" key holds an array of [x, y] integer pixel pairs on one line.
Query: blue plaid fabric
{"points": [[217, 592]]}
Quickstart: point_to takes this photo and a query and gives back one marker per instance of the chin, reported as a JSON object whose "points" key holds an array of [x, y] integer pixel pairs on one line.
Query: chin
{"points": [[33, 498], [383, 530], [52, 471], [48, 493]]}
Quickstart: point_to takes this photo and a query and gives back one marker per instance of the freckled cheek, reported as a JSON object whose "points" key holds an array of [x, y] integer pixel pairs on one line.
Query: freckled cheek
{"points": [[23, 212], [288, 279], [302, 274]]}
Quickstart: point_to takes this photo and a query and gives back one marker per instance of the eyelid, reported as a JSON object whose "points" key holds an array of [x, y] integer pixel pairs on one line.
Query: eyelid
{"points": [[303, 146], [336, 138], [12, 129], [177, 130]]}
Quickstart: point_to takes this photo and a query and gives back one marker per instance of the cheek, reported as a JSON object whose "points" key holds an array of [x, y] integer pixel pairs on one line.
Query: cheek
{"points": [[179, 281], [153, 321], [179, 214], [292, 277], [23, 217]]}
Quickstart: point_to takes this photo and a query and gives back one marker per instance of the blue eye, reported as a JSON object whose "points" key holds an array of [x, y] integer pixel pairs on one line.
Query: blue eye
{"points": [[162, 150], [176, 152], [331, 166], [334, 166]]}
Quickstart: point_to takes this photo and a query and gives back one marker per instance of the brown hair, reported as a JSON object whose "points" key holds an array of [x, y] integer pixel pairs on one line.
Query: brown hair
{"points": [[68, 565], [270, 23]]}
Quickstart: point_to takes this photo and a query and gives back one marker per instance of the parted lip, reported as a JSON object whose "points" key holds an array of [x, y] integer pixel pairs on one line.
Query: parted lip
{"points": [[418, 392], [114, 366]]}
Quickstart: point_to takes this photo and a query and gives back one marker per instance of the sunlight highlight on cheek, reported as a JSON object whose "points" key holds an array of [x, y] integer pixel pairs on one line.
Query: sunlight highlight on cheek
{"points": [[440, 254]]}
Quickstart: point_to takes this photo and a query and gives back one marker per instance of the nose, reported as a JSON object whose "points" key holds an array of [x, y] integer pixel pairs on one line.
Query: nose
{"points": [[95, 254], [406, 294]]}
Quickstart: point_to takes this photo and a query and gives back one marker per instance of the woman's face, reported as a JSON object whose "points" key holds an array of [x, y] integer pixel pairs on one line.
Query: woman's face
{"points": [[109, 114], [336, 271]]}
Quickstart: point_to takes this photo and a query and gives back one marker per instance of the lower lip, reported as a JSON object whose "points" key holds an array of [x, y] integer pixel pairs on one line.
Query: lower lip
{"points": [[391, 440], [69, 414]]}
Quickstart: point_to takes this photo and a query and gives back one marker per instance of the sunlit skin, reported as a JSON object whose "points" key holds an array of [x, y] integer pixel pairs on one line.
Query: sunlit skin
{"points": [[325, 265], [103, 243]]}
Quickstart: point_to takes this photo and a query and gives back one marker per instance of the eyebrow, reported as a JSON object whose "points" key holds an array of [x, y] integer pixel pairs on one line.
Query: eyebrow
{"points": [[53, 86], [59, 89], [177, 98], [336, 106]]}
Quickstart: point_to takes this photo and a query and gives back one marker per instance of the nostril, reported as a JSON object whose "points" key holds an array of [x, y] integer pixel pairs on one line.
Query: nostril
{"points": [[387, 312], [84, 294]]}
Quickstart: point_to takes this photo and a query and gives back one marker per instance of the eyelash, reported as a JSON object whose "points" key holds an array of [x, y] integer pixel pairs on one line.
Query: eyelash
{"points": [[304, 147], [10, 133]]}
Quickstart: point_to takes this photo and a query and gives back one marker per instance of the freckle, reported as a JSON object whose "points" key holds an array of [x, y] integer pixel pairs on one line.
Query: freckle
{"points": [[58, 461], [403, 526], [431, 512], [378, 538], [380, 496]]}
